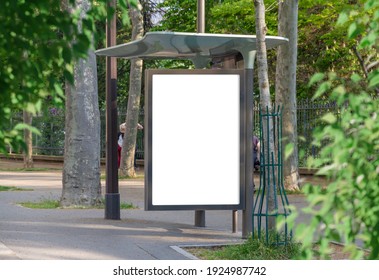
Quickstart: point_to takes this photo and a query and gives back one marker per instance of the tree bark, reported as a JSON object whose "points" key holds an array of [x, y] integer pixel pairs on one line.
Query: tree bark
{"points": [[285, 89], [129, 144], [28, 138], [268, 145], [81, 170]]}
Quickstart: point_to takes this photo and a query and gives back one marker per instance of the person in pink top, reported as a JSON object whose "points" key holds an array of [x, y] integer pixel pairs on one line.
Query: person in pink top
{"points": [[256, 152]]}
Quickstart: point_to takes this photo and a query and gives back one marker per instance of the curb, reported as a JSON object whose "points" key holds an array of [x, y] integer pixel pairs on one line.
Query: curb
{"points": [[6, 253], [181, 249]]}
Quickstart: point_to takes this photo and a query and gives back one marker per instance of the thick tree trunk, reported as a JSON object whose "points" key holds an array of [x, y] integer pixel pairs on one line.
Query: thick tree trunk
{"points": [[28, 138], [285, 91], [81, 171], [268, 146], [129, 144]]}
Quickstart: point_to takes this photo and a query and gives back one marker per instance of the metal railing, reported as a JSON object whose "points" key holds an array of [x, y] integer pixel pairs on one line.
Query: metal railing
{"points": [[271, 202], [309, 114]]}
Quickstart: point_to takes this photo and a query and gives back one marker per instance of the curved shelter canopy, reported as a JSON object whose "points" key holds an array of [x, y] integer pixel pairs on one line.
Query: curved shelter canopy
{"points": [[178, 45]]}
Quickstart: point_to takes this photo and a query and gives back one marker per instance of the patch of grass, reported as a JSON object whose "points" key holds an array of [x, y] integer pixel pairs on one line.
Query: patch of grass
{"points": [[11, 189], [131, 178], [45, 204], [54, 204], [251, 249], [296, 192], [125, 205]]}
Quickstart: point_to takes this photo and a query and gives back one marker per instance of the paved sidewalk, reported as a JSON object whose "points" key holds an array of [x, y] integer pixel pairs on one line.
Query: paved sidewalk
{"points": [[38, 234]]}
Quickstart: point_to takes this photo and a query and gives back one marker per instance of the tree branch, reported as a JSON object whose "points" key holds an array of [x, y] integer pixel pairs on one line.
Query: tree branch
{"points": [[361, 62], [372, 65], [365, 68]]}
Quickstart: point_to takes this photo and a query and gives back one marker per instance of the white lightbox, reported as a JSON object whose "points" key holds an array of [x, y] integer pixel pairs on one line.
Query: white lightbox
{"points": [[194, 125]]}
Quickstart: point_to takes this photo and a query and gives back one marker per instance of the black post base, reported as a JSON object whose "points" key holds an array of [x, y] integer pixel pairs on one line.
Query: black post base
{"points": [[199, 218], [112, 206]]}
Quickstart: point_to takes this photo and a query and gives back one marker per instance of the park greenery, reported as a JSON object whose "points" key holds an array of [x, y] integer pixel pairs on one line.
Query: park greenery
{"points": [[39, 42], [8, 188], [348, 210], [55, 204], [48, 57], [322, 47], [252, 249]]}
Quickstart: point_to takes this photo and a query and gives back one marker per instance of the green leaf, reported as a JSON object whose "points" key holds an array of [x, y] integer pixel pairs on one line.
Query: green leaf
{"points": [[376, 15], [68, 73], [332, 76], [289, 150], [370, 4], [324, 87], [31, 108], [22, 126], [339, 90], [356, 78], [125, 19], [133, 3], [329, 118], [353, 30], [58, 89], [316, 78], [66, 54], [368, 40], [374, 81], [123, 4], [343, 18]]}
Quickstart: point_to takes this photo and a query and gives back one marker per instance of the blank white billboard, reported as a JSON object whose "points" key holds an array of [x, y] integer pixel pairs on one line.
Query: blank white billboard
{"points": [[193, 144]]}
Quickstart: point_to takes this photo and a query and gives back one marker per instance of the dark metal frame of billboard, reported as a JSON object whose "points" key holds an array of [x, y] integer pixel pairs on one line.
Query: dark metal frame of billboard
{"points": [[149, 140]]}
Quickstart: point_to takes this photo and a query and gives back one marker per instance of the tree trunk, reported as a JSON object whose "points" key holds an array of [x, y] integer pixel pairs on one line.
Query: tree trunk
{"points": [[268, 146], [285, 91], [81, 171], [28, 138], [129, 143]]}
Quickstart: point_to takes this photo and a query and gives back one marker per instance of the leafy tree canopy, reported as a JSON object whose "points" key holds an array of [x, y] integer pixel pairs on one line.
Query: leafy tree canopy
{"points": [[322, 46], [40, 41]]}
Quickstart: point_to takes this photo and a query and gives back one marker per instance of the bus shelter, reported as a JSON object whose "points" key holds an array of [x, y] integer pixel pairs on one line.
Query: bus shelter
{"points": [[234, 98]]}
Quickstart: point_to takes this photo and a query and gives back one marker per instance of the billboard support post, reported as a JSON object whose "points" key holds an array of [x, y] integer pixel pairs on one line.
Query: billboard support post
{"points": [[200, 214], [247, 213]]}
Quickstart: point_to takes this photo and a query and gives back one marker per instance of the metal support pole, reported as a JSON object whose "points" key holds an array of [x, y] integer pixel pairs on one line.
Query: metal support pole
{"points": [[247, 224], [200, 214], [200, 16], [112, 196], [199, 218], [234, 221]]}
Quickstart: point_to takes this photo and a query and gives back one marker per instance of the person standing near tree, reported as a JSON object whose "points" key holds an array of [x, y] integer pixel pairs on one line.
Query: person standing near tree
{"points": [[120, 140], [256, 152]]}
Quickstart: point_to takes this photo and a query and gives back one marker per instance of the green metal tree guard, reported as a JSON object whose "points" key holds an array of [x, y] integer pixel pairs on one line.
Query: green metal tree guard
{"points": [[271, 201]]}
